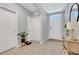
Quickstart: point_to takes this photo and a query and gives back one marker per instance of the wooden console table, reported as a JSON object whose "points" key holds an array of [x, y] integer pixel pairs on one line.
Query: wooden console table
{"points": [[71, 47]]}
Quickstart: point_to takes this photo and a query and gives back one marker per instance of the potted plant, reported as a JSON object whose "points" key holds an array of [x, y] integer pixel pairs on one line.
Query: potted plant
{"points": [[23, 35]]}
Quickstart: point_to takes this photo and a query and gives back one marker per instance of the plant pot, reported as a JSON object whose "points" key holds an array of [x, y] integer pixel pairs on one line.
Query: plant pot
{"points": [[22, 44], [23, 40]]}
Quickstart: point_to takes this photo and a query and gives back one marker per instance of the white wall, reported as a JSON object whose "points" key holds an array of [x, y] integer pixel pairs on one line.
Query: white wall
{"points": [[21, 15], [45, 27], [67, 11]]}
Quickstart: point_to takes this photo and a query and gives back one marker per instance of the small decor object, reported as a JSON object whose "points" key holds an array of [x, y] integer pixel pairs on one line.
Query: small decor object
{"points": [[23, 35], [66, 30], [28, 43], [71, 26]]}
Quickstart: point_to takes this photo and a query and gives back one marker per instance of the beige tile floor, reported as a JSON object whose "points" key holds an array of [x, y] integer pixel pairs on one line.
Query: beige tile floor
{"points": [[48, 48]]}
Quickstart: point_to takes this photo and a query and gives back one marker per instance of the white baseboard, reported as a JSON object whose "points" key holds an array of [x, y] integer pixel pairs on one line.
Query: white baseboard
{"points": [[43, 41]]}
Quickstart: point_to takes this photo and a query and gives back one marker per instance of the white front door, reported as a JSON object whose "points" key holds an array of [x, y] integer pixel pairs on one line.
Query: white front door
{"points": [[55, 29], [8, 29]]}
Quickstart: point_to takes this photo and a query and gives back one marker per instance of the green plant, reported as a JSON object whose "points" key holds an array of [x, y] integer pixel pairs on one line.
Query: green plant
{"points": [[23, 34]]}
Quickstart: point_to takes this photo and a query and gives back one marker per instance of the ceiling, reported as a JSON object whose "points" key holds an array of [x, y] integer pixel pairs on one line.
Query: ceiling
{"points": [[47, 7], [30, 6], [52, 7]]}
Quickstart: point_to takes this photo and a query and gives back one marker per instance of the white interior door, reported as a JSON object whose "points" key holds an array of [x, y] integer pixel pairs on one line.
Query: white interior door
{"points": [[34, 28], [8, 29]]}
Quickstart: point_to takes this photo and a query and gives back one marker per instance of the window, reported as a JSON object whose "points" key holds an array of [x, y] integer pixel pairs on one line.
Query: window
{"points": [[56, 16]]}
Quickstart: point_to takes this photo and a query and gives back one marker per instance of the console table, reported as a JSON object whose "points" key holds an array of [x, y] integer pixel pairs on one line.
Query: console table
{"points": [[71, 47]]}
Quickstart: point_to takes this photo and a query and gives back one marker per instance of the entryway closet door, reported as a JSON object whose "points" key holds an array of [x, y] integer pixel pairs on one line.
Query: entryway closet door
{"points": [[34, 28], [8, 29]]}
